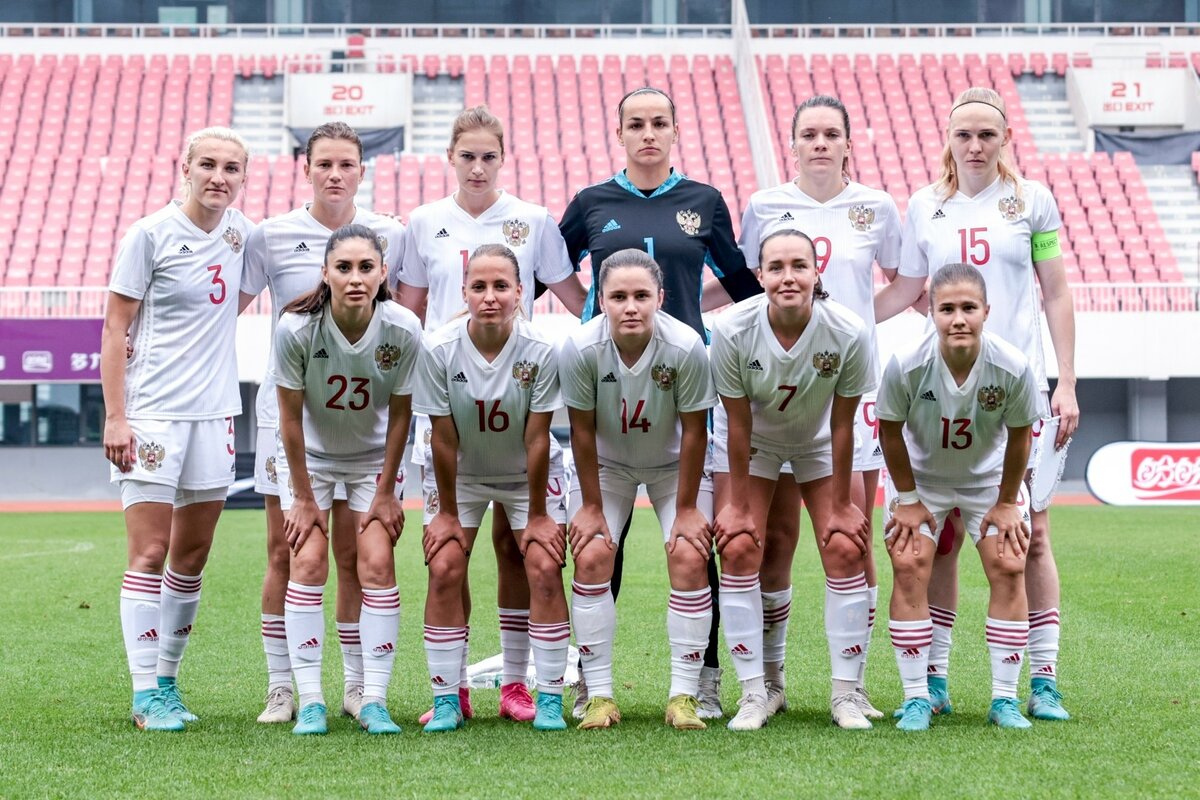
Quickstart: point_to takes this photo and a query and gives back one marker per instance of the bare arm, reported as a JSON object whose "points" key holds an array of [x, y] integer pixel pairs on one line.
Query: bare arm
{"points": [[1060, 319], [714, 295], [845, 517], [897, 296], [414, 299], [571, 292], [385, 506], [119, 442], [304, 516], [244, 300]]}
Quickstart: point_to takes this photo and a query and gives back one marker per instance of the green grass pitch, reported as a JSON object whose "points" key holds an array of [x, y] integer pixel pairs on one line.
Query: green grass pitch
{"points": [[1131, 646]]}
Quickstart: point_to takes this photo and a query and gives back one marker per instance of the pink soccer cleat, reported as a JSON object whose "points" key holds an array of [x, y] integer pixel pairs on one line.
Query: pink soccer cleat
{"points": [[516, 703]]}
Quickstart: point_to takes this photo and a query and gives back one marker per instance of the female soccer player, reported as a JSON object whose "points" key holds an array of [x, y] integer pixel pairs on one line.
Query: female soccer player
{"points": [[790, 368], [169, 425], [344, 363], [638, 388], [853, 228], [955, 415], [284, 255], [980, 211], [441, 236], [489, 383], [684, 226]]}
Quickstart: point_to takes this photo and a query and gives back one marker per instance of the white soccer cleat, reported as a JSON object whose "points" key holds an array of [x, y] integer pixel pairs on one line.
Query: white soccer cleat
{"points": [[863, 701], [352, 699], [709, 695], [752, 713], [776, 697], [281, 706], [581, 698], [846, 714]]}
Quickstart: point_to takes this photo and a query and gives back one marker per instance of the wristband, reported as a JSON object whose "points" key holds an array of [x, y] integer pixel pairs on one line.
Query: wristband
{"points": [[908, 498]]}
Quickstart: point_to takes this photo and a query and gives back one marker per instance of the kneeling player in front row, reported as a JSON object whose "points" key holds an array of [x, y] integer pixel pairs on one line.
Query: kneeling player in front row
{"points": [[489, 383], [955, 415], [344, 362], [638, 388]]}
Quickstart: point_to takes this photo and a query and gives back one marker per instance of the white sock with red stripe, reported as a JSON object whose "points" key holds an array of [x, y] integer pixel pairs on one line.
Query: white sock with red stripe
{"points": [[279, 664], [550, 640], [379, 623], [689, 617], [350, 638], [911, 640], [514, 644], [939, 651], [141, 594], [466, 658], [740, 601], [443, 654], [180, 602], [594, 618], [846, 603], [304, 619], [776, 608], [862, 670], [1006, 641], [1043, 643]]}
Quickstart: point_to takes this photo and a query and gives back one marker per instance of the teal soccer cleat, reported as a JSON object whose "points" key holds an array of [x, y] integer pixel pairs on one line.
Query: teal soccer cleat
{"points": [[311, 721], [169, 688], [916, 715], [549, 713], [1045, 702], [151, 713], [447, 714], [1006, 713], [374, 719]]}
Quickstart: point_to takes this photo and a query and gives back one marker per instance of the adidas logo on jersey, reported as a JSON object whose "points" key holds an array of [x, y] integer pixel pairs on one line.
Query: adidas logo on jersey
{"points": [[787, 217], [939, 214], [929, 395], [185, 251], [442, 234], [300, 248], [459, 378], [755, 365], [609, 378], [610, 226], [321, 354]]}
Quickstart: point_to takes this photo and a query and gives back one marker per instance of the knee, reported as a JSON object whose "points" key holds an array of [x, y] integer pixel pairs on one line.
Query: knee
{"points": [[842, 556], [909, 572], [1039, 540], [594, 565], [687, 561], [446, 573], [279, 559], [309, 567], [150, 558], [545, 575], [506, 549], [741, 555], [376, 571]]}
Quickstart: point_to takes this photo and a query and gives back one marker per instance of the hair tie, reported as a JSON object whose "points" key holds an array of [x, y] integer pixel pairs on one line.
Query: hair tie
{"points": [[982, 102]]}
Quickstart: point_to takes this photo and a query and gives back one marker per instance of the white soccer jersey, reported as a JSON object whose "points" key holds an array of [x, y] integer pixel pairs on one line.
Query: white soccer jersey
{"points": [[441, 237], [285, 255], [956, 434], [347, 387], [791, 391], [637, 408], [851, 233], [184, 364], [992, 231], [489, 402]]}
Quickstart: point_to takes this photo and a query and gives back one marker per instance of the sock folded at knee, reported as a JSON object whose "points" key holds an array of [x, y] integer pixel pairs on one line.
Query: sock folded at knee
{"points": [[777, 606], [1006, 640], [594, 618], [939, 651], [180, 602], [443, 655], [1044, 629], [379, 624], [141, 601], [350, 639], [514, 644], [846, 604], [689, 617], [741, 607], [550, 641], [911, 640], [279, 664], [304, 616]]}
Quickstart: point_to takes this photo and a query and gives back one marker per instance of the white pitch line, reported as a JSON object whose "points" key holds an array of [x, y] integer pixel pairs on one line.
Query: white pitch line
{"points": [[70, 548]]}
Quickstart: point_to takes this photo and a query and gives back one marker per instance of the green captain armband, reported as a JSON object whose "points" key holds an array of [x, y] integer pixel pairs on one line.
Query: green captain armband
{"points": [[1045, 246]]}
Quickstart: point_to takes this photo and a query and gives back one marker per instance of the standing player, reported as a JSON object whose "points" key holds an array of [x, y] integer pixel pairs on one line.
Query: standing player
{"points": [[284, 255], [684, 226], [853, 227], [983, 213], [790, 368], [441, 236], [344, 362], [489, 383], [169, 425], [955, 413], [638, 388]]}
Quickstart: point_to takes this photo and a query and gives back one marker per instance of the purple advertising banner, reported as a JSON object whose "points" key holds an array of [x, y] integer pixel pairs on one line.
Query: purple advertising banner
{"points": [[46, 350]]}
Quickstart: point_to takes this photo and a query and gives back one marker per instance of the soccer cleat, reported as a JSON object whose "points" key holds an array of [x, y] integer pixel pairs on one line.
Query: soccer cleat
{"points": [[281, 706], [374, 719], [1045, 702], [601, 712], [844, 711], [916, 715], [464, 705], [752, 713], [709, 696], [681, 713], [550, 713], [151, 713], [581, 698], [169, 688], [776, 697], [1006, 713], [516, 703], [311, 721], [352, 699], [447, 715], [863, 700], [939, 695]]}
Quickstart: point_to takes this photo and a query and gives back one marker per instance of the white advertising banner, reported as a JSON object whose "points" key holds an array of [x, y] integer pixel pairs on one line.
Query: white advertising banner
{"points": [[362, 100], [1132, 97], [1146, 473]]}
